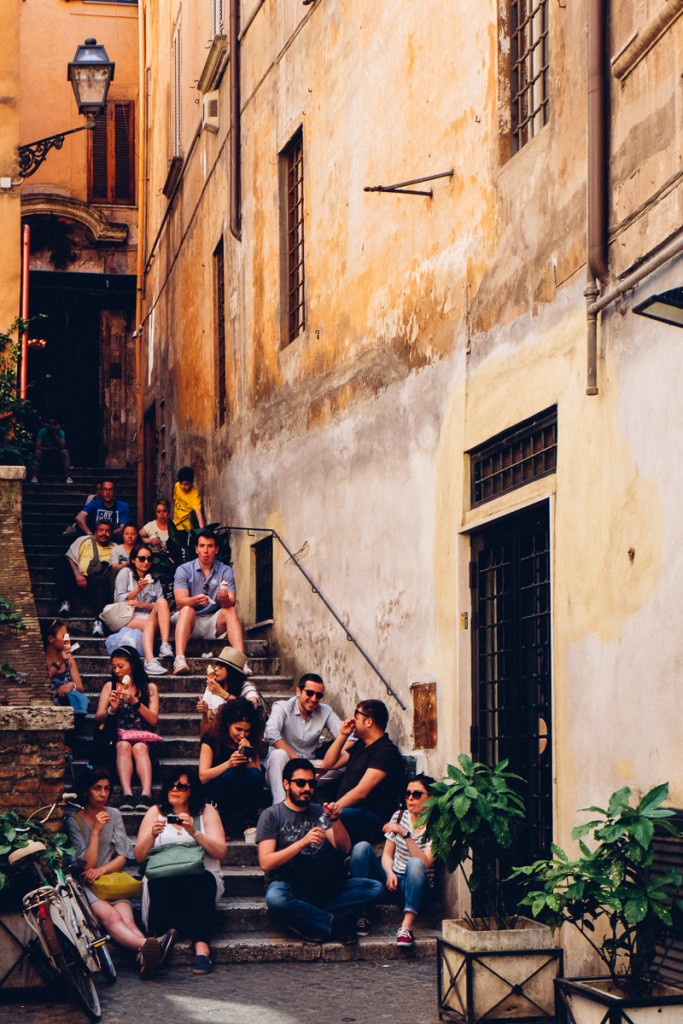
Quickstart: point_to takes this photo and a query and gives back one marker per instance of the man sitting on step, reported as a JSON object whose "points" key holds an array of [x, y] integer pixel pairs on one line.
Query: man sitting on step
{"points": [[84, 570], [105, 509], [294, 727], [301, 850], [205, 595], [372, 785]]}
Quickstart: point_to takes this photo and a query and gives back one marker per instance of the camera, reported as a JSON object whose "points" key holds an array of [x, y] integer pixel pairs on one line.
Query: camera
{"points": [[174, 819]]}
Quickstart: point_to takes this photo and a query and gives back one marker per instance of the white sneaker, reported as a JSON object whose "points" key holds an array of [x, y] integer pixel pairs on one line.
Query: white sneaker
{"points": [[69, 480], [97, 628], [153, 668], [64, 608], [180, 665], [34, 479], [166, 651]]}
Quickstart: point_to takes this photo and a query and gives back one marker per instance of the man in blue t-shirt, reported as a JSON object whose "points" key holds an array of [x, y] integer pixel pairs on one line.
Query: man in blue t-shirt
{"points": [[105, 509], [51, 438]]}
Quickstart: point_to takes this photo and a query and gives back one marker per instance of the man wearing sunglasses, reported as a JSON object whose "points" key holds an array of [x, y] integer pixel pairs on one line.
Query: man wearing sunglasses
{"points": [[374, 773], [307, 890], [294, 728], [205, 594]]}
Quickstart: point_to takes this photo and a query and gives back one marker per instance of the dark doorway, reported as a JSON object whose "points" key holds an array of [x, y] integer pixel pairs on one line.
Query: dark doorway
{"points": [[66, 376], [511, 637]]}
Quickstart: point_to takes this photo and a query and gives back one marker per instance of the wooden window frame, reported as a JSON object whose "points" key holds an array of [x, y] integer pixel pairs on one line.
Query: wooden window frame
{"points": [[293, 266], [111, 198]]}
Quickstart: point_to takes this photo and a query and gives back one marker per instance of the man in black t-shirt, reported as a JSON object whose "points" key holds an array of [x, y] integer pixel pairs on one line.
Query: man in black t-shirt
{"points": [[372, 785], [301, 853]]}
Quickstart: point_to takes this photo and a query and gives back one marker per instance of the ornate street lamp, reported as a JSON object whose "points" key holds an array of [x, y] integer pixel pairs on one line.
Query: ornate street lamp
{"points": [[90, 73]]}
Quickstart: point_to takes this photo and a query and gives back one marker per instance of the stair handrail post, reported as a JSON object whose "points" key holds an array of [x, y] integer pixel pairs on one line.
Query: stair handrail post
{"points": [[318, 592]]}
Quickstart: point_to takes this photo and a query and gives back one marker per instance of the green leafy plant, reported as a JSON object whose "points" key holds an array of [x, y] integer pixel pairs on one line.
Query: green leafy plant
{"points": [[627, 911], [16, 435], [15, 833], [471, 820], [10, 616]]}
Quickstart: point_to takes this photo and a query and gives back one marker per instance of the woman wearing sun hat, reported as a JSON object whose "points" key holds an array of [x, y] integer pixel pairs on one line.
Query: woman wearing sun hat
{"points": [[226, 678]]}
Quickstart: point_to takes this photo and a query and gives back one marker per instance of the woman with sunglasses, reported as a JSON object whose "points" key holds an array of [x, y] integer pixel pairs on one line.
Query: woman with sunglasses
{"points": [[185, 903], [150, 608], [406, 867], [134, 701], [229, 764]]}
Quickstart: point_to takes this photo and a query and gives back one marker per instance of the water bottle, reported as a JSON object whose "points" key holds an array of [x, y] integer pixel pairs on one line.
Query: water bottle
{"points": [[322, 822]]}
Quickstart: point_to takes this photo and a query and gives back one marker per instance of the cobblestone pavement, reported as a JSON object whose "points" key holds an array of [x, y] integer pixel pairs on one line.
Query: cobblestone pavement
{"points": [[269, 993]]}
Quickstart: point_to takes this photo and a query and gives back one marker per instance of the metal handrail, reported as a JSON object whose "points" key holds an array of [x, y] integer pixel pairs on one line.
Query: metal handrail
{"points": [[317, 591]]}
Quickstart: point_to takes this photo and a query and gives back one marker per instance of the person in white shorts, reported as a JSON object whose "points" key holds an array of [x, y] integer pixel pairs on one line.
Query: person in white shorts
{"points": [[205, 595]]}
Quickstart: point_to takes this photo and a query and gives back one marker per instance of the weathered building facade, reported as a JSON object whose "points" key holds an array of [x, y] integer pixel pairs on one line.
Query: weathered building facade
{"points": [[81, 209], [482, 478]]}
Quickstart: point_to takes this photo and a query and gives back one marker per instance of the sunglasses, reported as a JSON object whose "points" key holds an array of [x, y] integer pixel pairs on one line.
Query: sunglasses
{"points": [[314, 693], [182, 787], [415, 794], [205, 588], [301, 783], [144, 558]]}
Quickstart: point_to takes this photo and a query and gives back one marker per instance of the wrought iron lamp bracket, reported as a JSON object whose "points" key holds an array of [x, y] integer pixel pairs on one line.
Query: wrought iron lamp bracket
{"points": [[32, 155]]}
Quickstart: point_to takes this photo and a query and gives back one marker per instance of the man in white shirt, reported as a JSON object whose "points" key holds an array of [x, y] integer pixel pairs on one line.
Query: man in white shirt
{"points": [[294, 727]]}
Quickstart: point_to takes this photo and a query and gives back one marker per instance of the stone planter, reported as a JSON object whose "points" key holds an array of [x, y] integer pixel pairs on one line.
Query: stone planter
{"points": [[597, 1001], [497, 975]]}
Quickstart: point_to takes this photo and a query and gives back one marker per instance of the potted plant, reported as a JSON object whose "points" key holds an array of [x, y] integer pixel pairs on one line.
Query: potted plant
{"points": [[494, 963], [628, 911]]}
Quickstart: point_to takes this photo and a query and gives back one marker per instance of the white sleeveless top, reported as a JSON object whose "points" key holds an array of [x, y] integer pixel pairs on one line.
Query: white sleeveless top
{"points": [[175, 834]]}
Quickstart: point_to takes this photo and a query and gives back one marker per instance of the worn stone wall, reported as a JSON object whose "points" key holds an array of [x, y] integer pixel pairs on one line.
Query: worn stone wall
{"points": [[22, 649], [32, 756]]}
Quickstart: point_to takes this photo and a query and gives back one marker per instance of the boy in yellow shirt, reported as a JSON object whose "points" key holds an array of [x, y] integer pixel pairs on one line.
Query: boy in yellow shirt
{"points": [[186, 499]]}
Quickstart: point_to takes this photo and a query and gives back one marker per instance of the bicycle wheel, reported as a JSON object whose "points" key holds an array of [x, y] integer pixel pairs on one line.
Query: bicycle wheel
{"points": [[106, 963], [77, 978]]}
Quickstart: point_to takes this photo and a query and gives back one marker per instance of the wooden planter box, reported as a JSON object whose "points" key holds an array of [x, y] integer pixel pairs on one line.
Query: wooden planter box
{"points": [[498, 975], [597, 1001]]}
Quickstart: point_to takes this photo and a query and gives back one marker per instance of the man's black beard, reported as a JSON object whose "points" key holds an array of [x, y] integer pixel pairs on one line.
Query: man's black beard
{"points": [[302, 798]]}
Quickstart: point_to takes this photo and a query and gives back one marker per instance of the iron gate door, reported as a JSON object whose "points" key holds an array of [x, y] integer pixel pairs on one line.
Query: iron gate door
{"points": [[511, 637]]}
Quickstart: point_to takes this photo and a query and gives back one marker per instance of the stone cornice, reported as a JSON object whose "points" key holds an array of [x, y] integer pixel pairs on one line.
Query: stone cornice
{"points": [[102, 230]]}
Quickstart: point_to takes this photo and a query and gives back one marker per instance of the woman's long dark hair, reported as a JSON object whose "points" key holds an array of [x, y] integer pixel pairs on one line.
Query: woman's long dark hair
{"points": [[137, 672], [196, 802], [238, 710], [87, 778], [140, 545]]}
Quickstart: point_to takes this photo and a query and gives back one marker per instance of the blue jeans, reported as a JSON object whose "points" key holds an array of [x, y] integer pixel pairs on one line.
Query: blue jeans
{"points": [[362, 825], [316, 921], [413, 886]]}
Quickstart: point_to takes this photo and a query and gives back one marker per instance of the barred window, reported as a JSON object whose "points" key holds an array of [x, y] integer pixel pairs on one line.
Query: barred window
{"points": [[528, 69], [176, 91], [263, 578], [292, 179], [111, 155], [528, 451], [217, 20]]}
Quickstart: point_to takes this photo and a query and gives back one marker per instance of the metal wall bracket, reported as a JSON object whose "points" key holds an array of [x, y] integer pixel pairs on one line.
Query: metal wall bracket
{"points": [[400, 188], [32, 155]]}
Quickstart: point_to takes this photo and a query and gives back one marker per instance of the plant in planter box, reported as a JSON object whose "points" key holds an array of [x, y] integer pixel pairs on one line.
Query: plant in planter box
{"points": [[611, 894], [471, 819], [494, 964]]}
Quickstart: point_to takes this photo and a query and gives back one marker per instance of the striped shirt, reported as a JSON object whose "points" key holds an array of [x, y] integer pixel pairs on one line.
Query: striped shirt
{"points": [[401, 852]]}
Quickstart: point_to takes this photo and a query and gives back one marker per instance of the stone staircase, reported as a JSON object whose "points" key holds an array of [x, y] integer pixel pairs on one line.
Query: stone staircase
{"points": [[243, 933]]}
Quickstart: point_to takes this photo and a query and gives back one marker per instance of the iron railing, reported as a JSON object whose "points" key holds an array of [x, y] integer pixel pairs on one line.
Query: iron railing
{"points": [[251, 531]]}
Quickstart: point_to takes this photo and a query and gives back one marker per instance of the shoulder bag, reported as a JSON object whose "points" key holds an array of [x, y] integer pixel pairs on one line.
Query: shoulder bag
{"points": [[173, 860]]}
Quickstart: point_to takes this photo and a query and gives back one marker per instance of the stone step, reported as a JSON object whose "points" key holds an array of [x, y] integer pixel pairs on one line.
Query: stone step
{"points": [[237, 912], [80, 628], [93, 660], [273, 686]]}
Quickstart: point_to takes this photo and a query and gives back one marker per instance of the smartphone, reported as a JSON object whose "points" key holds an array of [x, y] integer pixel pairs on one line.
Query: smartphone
{"points": [[174, 819], [247, 751]]}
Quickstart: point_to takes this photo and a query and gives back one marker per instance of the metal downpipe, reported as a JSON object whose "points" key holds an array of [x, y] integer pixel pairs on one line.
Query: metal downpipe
{"points": [[597, 180], [235, 124]]}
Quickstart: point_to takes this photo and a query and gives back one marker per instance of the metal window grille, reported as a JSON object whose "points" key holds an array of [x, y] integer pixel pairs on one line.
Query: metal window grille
{"points": [[263, 565], [221, 370], [528, 69], [294, 205], [217, 22], [669, 854], [513, 458], [176, 99], [512, 683]]}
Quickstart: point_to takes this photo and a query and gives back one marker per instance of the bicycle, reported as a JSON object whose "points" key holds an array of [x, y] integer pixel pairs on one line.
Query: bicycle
{"points": [[69, 943]]}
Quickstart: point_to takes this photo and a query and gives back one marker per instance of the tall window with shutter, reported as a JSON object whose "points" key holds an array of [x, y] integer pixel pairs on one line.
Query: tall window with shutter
{"points": [[111, 155], [176, 95]]}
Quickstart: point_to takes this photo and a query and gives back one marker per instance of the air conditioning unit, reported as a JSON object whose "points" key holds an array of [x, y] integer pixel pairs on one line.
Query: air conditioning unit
{"points": [[210, 112]]}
